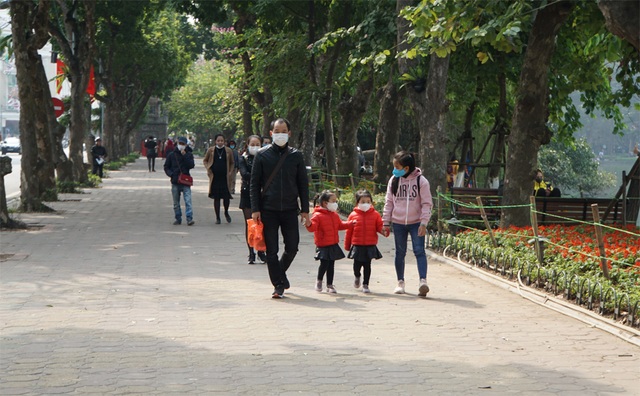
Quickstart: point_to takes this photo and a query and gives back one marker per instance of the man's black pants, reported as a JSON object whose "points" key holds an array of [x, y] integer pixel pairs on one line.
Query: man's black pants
{"points": [[287, 222]]}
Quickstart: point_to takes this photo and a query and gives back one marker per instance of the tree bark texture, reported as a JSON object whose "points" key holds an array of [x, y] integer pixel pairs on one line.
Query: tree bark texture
{"points": [[500, 130], [28, 28], [622, 19], [387, 135], [433, 137], [528, 127], [352, 110], [309, 133]]}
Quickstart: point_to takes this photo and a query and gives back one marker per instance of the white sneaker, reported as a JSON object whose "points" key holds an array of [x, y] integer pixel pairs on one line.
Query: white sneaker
{"points": [[356, 282], [424, 288], [400, 288], [319, 286], [365, 289], [331, 289]]}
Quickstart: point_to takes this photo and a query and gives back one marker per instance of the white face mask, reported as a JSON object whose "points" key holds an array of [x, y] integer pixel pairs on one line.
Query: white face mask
{"points": [[253, 150], [280, 138], [364, 206], [220, 145], [332, 206], [181, 147]]}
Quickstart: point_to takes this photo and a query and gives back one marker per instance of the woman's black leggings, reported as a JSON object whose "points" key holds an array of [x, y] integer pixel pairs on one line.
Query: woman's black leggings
{"points": [[216, 206], [357, 265], [328, 267], [247, 216], [152, 163]]}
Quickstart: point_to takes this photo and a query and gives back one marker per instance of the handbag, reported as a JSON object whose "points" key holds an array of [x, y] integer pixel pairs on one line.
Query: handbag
{"points": [[185, 180]]}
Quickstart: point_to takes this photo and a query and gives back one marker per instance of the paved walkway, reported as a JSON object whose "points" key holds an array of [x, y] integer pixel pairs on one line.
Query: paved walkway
{"points": [[108, 297]]}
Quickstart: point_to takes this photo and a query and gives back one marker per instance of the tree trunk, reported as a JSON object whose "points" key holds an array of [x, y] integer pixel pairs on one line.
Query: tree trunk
{"points": [[329, 137], [46, 137], [529, 130], [500, 130], [247, 122], [388, 134], [622, 19], [308, 143], [433, 136], [27, 39], [352, 111]]}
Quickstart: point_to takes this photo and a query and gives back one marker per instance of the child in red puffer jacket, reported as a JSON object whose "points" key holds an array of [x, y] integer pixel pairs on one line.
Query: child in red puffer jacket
{"points": [[325, 224], [361, 240]]}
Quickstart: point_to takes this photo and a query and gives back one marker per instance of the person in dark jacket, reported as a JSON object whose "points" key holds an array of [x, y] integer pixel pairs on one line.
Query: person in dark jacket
{"points": [[276, 205], [98, 153], [150, 145], [178, 161], [245, 164]]}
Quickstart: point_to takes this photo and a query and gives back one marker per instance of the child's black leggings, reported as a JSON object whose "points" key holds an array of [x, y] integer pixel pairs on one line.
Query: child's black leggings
{"points": [[357, 265], [328, 267]]}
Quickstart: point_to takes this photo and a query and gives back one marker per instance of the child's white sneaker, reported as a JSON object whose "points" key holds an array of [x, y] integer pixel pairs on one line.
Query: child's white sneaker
{"points": [[319, 286], [400, 288], [356, 282], [365, 289], [331, 289], [424, 288]]}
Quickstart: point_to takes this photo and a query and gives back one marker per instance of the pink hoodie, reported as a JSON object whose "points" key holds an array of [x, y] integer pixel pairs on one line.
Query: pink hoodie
{"points": [[408, 206]]}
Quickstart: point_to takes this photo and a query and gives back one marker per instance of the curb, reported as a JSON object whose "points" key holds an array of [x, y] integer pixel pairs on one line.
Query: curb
{"points": [[577, 312]]}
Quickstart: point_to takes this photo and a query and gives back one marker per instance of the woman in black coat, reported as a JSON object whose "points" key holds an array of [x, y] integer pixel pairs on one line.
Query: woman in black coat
{"points": [[254, 143], [150, 144]]}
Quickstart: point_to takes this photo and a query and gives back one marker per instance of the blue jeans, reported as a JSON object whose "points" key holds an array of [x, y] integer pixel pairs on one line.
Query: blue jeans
{"points": [[401, 233], [176, 189]]}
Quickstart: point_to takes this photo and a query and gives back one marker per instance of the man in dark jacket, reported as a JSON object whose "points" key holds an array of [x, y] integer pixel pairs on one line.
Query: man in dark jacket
{"points": [[178, 161], [98, 153], [276, 200]]}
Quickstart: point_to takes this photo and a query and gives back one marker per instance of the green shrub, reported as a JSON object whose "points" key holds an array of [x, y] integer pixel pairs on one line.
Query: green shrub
{"points": [[114, 165], [50, 195], [93, 181], [67, 187]]}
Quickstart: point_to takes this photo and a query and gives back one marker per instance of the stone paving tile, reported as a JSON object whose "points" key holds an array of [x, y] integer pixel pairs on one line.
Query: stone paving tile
{"points": [[109, 298]]}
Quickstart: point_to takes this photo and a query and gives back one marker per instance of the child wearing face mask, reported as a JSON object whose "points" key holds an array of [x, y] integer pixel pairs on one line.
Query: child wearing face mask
{"points": [[254, 143], [361, 240], [325, 224]]}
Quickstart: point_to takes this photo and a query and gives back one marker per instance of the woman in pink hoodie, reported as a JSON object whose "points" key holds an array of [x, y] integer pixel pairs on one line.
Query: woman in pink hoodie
{"points": [[407, 209]]}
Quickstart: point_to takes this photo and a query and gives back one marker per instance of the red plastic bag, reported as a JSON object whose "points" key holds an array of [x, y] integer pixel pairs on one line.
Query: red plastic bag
{"points": [[255, 235]]}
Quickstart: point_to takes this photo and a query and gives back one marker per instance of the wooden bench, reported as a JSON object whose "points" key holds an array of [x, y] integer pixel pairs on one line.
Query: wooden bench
{"points": [[550, 207], [576, 209], [467, 196]]}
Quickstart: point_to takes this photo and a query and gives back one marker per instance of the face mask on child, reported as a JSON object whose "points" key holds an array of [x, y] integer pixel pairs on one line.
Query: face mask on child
{"points": [[332, 206], [364, 207]]}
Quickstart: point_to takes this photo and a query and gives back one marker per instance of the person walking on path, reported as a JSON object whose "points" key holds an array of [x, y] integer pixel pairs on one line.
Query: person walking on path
{"points": [[407, 209], [325, 224], [168, 147], [180, 161], [361, 241], [236, 161], [245, 165], [99, 154], [150, 146], [220, 166], [279, 189]]}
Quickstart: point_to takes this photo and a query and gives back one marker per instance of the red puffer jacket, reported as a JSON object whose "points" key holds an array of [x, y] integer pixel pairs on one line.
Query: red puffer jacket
{"points": [[325, 225], [365, 231]]}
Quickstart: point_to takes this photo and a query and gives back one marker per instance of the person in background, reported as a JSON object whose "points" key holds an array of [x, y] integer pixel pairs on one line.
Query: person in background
{"points": [[542, 188], [99, 154], [254, 143], [277, 204], [150, 146], [407, 209], [236, 161], [168, 147], [180, 160], [219, 163]]}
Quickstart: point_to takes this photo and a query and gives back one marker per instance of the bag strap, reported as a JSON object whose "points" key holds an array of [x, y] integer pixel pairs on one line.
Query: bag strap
{"points": [[275, 170]]}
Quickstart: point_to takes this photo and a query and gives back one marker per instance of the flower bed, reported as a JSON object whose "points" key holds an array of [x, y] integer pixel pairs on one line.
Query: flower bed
{"points": [[571, 268]]}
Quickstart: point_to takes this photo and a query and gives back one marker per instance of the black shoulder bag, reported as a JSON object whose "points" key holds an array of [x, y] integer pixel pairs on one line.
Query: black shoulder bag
{"points": [[275, 170]]}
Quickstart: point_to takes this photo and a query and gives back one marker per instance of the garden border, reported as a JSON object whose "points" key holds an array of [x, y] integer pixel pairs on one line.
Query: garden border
{"points": [[626, 333]]}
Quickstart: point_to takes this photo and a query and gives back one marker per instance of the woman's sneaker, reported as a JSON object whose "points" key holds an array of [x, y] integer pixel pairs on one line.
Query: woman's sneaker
{"points": [[400, 288], [262, 256], [319, 286], [365, 289], [331, 289], [424, 288], [356, 282]]}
